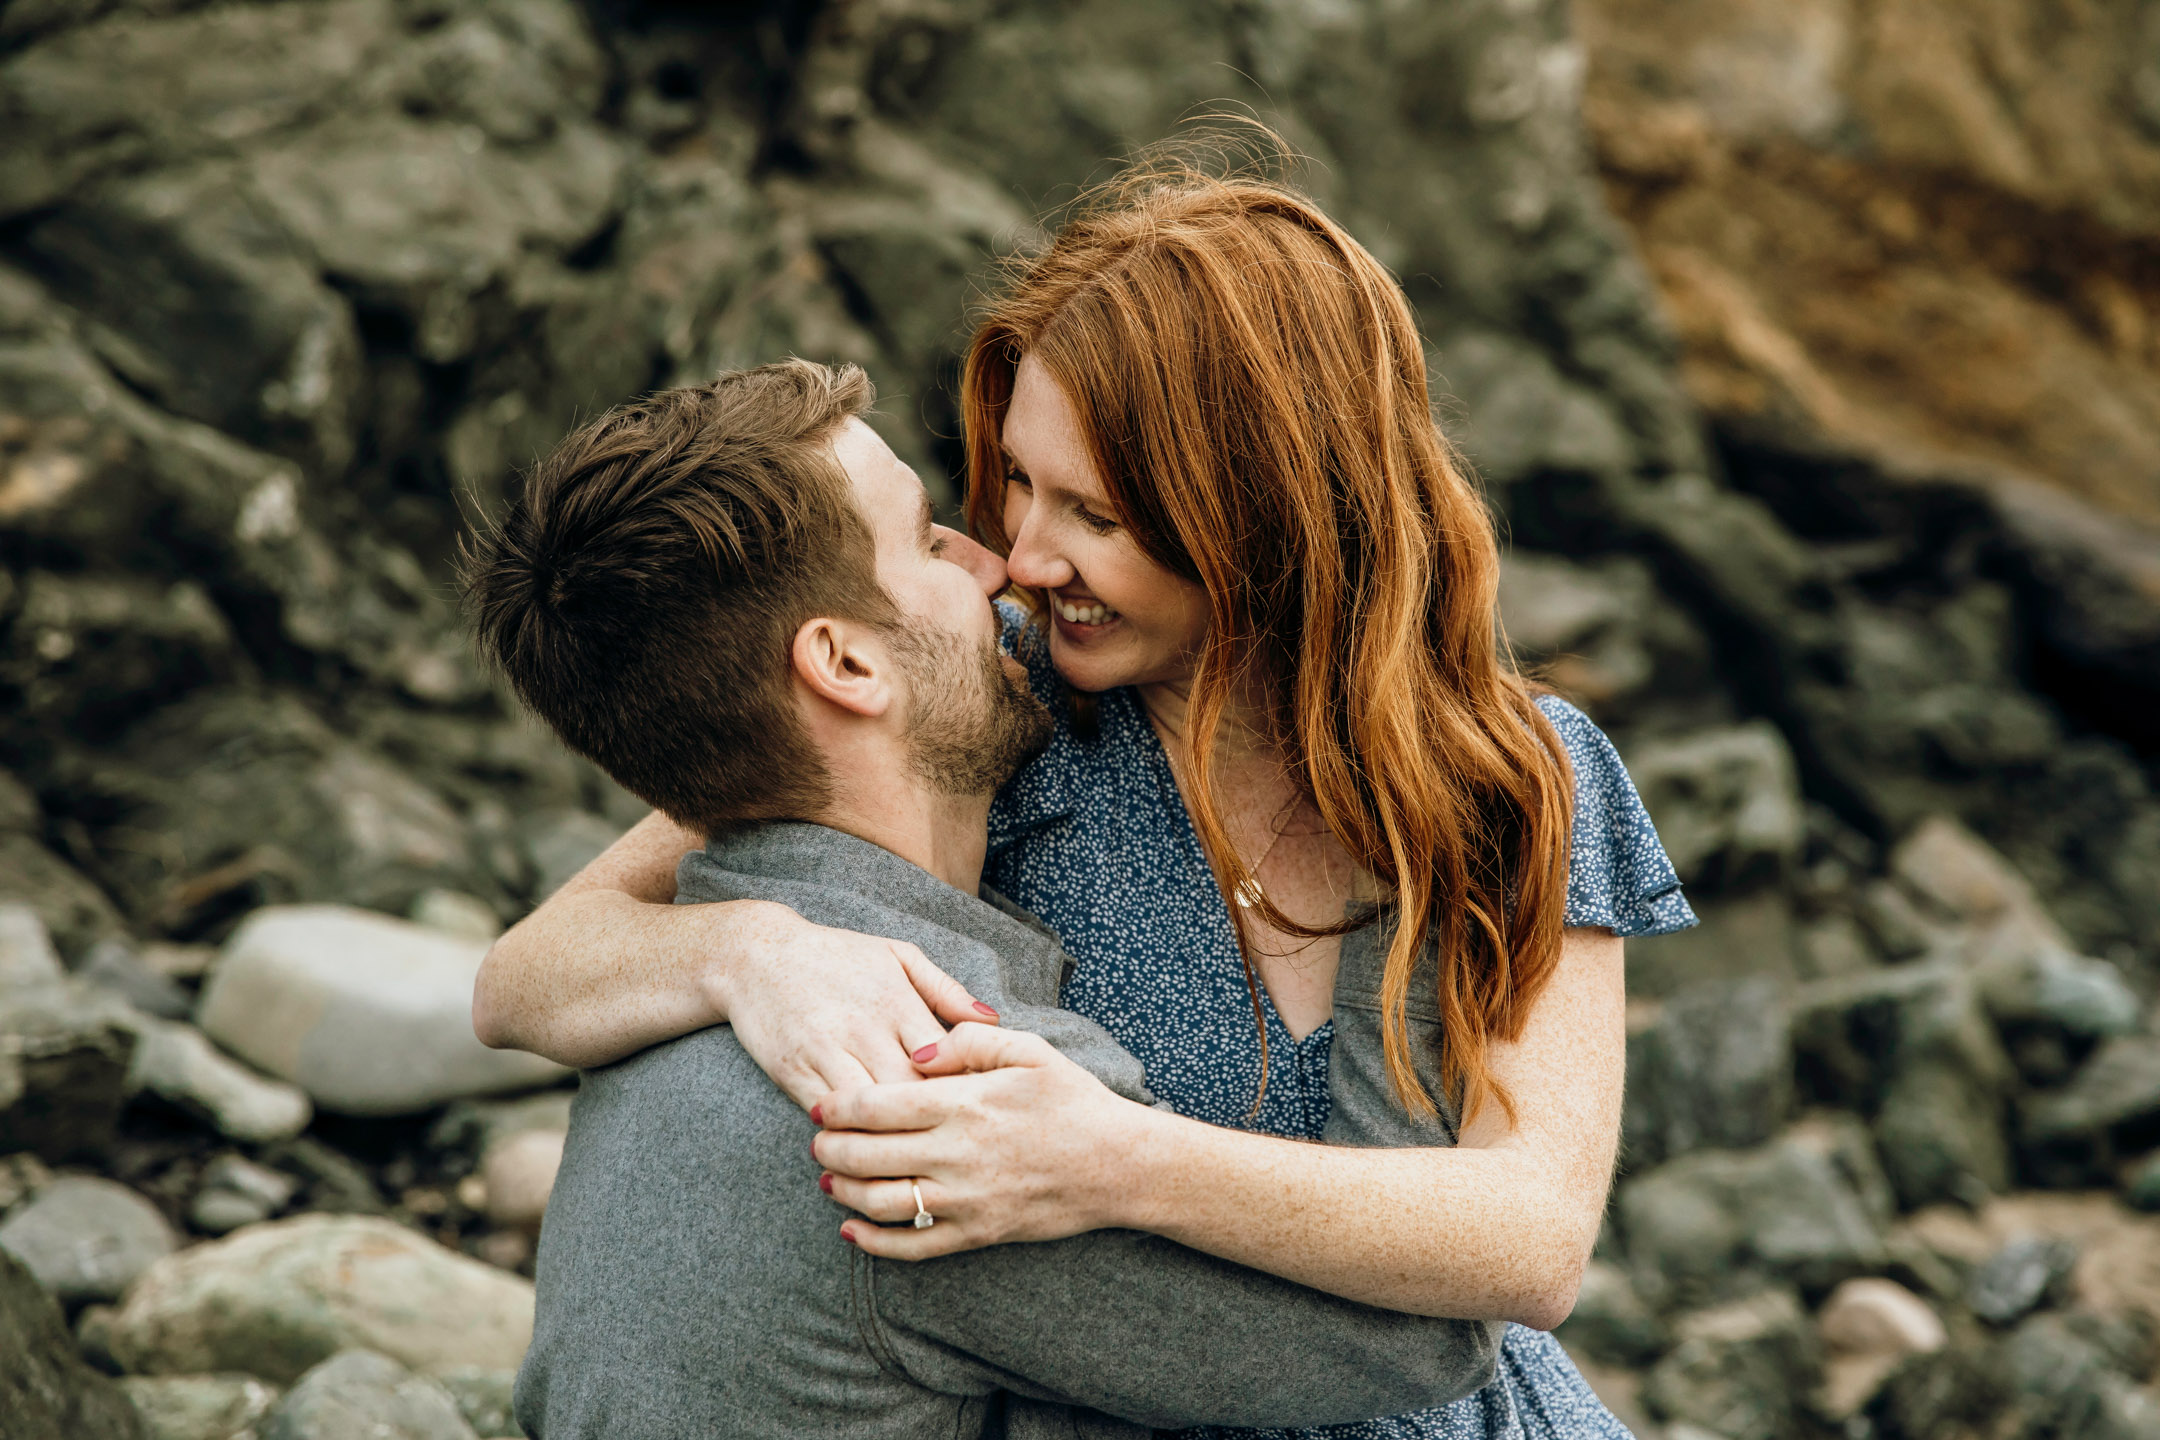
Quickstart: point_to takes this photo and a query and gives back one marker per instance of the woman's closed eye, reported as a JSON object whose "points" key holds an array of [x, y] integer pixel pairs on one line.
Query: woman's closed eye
{"points": [[1099, 523]]}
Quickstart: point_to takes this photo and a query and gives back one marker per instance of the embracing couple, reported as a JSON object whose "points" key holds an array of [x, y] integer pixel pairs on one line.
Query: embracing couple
{"points": [[1150, 965]]}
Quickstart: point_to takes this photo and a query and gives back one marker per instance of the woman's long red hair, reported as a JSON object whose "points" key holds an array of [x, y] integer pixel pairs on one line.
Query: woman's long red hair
{"points": [[1251, 386]]}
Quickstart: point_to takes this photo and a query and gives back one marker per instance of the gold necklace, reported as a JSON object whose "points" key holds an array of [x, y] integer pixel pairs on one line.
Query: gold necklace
{"points": [[1248, 892]]}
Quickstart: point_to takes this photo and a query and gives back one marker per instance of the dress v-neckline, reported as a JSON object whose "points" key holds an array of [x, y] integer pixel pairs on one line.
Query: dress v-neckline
{"points": [[1172, 799]]}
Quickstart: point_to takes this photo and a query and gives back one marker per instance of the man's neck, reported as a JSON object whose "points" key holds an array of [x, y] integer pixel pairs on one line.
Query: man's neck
{"points": [[947, 835]]}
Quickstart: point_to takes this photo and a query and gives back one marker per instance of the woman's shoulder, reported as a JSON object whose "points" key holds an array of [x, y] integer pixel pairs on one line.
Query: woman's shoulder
{"points": [[1619, 876]]}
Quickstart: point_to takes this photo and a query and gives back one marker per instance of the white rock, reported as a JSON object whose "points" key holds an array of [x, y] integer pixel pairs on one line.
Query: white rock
{"points": [[87, 1239], [1958, 873], [236, 1191], [178, 1063], [360, 1393], [370, 1015], [519, 1171], [456, 913], [27, 958], [198, 1407], [273, 1300], [1872, 1316]]}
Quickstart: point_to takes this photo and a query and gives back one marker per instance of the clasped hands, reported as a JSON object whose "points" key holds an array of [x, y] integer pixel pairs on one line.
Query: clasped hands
{"points": [[1007, 1138]]}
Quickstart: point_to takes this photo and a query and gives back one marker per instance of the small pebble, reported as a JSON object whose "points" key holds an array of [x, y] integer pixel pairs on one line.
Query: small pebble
{"points": [[1872, 1316], [519, 1171], [2023, 1276]]}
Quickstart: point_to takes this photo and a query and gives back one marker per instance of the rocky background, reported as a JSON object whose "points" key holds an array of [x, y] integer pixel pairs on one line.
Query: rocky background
{"points": [[1808, 349]]}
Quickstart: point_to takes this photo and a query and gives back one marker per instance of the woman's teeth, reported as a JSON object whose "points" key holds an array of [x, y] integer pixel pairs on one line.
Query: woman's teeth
{"points": [[1094, 614]]}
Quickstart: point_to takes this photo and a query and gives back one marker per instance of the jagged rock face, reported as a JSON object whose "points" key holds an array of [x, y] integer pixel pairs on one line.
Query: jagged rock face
{"points": [[1908, 251]]}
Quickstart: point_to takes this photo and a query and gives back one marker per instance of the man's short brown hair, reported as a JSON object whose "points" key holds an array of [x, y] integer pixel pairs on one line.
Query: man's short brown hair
{"points": [[643, 592]]}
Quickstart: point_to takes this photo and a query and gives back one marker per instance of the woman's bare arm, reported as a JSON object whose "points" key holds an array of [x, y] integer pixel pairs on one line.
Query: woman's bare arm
{"points": [[609, 965], [1498, 1227]]}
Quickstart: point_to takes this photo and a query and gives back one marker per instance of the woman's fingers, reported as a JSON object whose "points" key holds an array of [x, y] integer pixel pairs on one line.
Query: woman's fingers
{"points": [[914, 1106], [874, 1157], [984, 1047], [905, 1242], [889, 1202], [948, 999]]}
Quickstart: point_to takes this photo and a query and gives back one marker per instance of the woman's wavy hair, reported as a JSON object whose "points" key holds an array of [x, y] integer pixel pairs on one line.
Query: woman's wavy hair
{"points": [[1250, 384]]}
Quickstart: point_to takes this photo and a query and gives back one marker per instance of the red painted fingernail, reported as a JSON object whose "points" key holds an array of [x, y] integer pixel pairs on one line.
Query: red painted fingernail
{"points": [[813, 1147], [817, 1114], [847, 1235], [925, 1055], [824, 1182], [986, 1009]]}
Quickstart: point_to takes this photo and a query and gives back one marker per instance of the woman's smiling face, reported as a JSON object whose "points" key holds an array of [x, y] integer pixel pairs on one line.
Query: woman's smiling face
{"points": [[1117, 618]]}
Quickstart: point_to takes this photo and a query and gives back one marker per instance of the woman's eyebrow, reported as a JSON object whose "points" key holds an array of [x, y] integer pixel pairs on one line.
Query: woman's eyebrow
{"points": [[925, 517]]}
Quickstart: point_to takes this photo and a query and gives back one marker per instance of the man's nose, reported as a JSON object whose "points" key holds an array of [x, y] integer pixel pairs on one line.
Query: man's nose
{"points": [[986, 568]]}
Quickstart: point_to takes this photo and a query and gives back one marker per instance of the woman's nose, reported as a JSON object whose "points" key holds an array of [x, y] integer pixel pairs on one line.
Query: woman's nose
{"points": [[1033, 563]]}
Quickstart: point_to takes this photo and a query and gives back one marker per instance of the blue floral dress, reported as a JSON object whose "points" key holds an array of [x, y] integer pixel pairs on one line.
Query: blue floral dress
{"points": [[1094, 838]]}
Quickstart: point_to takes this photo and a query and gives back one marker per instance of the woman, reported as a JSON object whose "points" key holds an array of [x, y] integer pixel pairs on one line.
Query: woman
{"points": [[1199, 428]]}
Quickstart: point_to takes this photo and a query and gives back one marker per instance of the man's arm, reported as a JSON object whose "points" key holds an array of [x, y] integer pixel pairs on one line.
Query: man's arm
{"points": [[1142, 1328], [1148, 1330]]}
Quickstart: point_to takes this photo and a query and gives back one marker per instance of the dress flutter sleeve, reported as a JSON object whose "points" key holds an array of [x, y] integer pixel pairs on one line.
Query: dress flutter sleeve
{"points": [[1618, 873]]}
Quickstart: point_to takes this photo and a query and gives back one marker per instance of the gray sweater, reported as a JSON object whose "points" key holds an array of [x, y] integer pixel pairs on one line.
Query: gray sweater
{"points": [[692, 1279]]}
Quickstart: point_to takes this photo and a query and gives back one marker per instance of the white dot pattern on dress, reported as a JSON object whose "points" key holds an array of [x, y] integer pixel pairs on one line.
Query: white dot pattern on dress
{"points": [[1094, 838]]}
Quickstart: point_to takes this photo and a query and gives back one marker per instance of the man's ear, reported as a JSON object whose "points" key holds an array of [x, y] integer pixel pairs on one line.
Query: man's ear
{"points": [[845, 663]]}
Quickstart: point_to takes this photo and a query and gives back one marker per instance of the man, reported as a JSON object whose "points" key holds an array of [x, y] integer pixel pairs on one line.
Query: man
{"points": [[732, 598]]}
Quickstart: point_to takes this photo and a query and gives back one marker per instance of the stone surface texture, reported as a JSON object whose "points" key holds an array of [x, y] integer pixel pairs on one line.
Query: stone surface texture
{"points": [[87, 1239], [274, 1300], [368, 1014], [45, 1388]]}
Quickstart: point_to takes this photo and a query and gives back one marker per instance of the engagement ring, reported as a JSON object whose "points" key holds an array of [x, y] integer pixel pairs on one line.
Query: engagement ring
{"points": [[923, 1218]]}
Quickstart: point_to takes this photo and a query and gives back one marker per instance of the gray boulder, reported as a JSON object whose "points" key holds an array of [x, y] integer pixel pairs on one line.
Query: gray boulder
{"points": [[177, 1063], [2075, 1133], [86, 1239], [201, 298], [261, 801], [485, 1398], [2066, 1382], [562, 844], [1807, 1210], [370, 1015], [199, 1407], [1610, 1322], [1945, 1392], [2023, 1276], [1726, 802], [92, 651], [1915, 1049], [45, 1388], [65, 1048], [74, 910], [273, 1300], [360, 1395], [1741, 1370], [235, 1191], [114, 965], [1715, 1069]]}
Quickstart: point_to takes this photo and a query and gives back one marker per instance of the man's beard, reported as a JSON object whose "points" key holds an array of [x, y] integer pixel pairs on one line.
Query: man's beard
{"points": [[973, 725]]}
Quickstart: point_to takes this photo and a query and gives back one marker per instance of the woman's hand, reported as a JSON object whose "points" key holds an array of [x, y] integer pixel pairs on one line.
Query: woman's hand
{"points": [[1009, 1141], [822, 1010], [608, 966]]}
